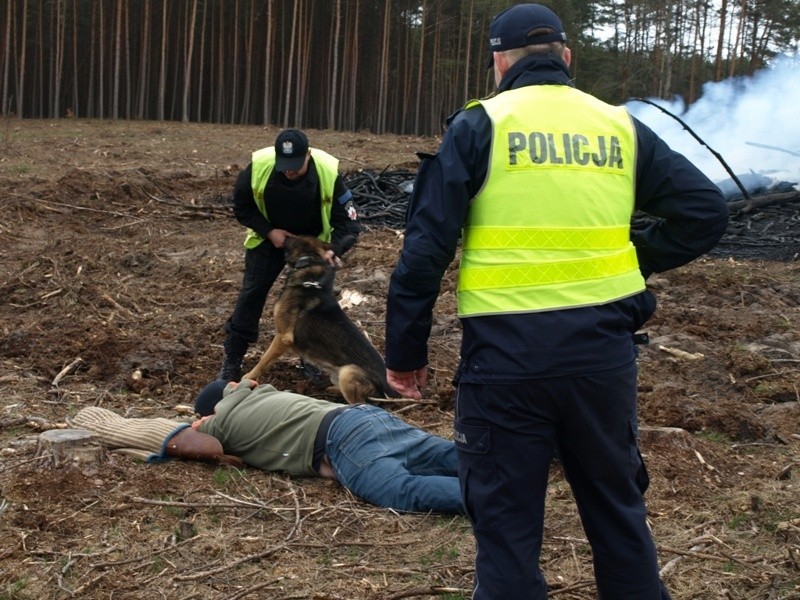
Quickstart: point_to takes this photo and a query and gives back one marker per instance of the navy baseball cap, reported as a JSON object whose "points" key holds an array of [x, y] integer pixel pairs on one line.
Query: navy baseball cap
{"points": [[291, 147], [511, 28]]}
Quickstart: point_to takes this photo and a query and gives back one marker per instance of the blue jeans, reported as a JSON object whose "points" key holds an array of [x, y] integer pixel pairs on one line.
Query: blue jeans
{"points": [[389, 463]]}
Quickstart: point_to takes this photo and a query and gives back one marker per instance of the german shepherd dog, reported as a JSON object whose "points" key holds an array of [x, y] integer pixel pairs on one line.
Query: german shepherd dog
{"points": [[310, 323]]}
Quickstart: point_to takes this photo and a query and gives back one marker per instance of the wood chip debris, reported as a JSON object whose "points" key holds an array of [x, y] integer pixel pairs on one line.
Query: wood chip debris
{"points": [[682, 353]]}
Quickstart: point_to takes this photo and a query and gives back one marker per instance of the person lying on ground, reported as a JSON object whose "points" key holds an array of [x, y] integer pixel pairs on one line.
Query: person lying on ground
{"points": [[374, 454]]}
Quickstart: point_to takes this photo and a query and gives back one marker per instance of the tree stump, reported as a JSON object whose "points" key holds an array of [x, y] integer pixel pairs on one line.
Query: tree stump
{"points": [[59, 448]]}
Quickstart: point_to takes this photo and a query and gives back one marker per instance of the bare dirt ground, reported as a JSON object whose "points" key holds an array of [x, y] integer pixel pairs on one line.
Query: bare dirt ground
{"points": [[120, 263]]}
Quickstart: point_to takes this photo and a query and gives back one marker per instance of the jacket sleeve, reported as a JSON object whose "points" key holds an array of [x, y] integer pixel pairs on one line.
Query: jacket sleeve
{"points": [[443, 188], [690, 212], [217, 424], [344, 218], [244, 204]]}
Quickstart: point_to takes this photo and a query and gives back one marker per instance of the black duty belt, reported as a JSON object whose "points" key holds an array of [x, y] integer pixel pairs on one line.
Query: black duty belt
{"points": [[322, 435]]}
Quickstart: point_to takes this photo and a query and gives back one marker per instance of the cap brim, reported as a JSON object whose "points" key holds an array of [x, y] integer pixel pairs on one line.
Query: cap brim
{"points": [[293, 163]]}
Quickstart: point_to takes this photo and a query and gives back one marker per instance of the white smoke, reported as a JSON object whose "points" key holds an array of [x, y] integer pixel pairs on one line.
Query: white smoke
{"points": [[737, 118]]}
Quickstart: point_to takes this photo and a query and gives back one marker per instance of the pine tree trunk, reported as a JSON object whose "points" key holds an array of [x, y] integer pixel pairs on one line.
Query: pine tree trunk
{"points": [[289, 70], [723, 16], [143, 87], [269, 53], [117, 61], [337, 24]]}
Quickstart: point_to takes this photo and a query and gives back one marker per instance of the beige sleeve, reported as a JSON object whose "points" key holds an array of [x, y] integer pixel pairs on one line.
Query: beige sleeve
{"points": [[117, 432]]}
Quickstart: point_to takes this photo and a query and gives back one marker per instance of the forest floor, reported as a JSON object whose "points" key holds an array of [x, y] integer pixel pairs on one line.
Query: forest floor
{"points": [[120, 263]]}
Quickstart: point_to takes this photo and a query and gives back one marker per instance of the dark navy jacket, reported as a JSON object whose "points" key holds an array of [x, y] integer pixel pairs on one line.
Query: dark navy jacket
{"points": [[690, 217], [295, 206]]}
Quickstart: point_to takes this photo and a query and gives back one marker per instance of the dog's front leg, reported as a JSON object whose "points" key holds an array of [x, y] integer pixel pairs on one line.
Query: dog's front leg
{"points": [[280, 343]]}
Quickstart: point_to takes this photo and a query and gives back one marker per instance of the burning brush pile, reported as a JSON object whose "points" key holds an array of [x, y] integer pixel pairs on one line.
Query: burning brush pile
{"points": [[765, 218]]}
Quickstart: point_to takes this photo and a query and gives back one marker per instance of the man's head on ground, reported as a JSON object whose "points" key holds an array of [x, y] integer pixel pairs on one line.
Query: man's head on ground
{"points": [[208, 398], [291, 153], [521, 30]]}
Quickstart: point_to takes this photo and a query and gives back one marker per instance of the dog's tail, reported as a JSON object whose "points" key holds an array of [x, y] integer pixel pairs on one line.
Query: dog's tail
{"points": [[389, 391]]}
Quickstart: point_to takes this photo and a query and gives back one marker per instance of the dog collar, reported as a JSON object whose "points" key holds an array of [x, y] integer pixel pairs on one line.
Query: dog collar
{"points": [[304, 261]]}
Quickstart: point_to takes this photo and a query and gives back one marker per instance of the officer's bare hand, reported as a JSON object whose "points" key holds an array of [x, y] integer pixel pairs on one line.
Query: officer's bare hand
{"points": [[407, 383], [332, 259]]}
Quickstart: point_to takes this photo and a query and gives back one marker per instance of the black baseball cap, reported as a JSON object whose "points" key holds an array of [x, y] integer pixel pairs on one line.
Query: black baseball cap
{"points": [[510, 28], [291, 147], [208, 397]]}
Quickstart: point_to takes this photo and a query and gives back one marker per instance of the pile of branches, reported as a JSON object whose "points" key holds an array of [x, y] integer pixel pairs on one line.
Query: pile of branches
{"points": [[763, 226], [381, 198]]}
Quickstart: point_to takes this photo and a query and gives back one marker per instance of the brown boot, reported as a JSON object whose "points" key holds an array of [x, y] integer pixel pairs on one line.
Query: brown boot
{"points": [[196, 445]]}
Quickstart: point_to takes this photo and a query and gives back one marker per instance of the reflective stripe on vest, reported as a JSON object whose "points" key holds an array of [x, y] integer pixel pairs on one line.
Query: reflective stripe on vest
{"points": [[263, 163], [550, 229], [539, 237], [533, 274]]}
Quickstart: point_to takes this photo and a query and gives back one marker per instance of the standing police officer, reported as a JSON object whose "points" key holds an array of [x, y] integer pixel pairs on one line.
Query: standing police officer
{"points": [[543, 180], [288, 189]]}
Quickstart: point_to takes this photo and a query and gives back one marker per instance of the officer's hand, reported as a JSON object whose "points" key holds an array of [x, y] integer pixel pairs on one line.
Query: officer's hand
{"points": [[407, 383], [332, 259], [278, 237]]}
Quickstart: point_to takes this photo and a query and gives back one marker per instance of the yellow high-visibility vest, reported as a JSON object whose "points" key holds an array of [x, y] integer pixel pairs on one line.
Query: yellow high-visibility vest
{"points": [[550, 228], [263, 163]]}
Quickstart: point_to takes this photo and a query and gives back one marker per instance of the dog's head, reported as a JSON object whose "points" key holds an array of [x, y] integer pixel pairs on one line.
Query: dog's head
{"points": [[304, 250]]}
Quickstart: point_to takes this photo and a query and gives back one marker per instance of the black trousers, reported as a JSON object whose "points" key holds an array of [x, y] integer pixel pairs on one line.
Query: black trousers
{"points": [[507, 436], [262, 266]]}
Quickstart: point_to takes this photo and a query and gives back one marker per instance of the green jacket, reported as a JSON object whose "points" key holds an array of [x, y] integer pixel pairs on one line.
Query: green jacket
{"points": [[268, 429]]}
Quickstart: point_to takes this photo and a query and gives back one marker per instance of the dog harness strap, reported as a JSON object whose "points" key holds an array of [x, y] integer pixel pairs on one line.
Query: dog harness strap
{"points": [[304, 261]]}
